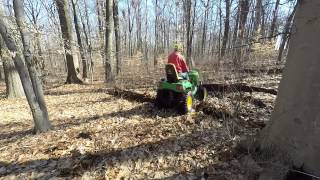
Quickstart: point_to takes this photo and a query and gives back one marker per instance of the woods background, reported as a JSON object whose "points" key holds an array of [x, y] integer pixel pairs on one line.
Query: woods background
{"points": [[215, 33]]}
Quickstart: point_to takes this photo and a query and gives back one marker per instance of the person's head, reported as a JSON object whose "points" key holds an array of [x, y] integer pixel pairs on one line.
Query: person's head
{"points": [[178, 47]]}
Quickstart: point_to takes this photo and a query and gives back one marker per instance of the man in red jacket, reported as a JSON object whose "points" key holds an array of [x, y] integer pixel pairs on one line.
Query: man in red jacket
{"points": [[178, 60]]}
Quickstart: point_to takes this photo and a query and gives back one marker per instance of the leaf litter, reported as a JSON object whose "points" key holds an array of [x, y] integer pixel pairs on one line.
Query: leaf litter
{"points": [[102, 135]]}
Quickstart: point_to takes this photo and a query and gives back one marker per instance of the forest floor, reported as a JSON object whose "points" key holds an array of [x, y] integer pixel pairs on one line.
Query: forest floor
{"points": [[105, 133]]}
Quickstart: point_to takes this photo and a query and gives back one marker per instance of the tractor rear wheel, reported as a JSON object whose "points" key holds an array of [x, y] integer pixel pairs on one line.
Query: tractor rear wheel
{"points": [[202, 93], [185, 103], [164, 98]]}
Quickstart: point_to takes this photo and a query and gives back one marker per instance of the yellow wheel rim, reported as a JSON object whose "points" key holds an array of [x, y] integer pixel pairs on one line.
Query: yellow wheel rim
{"points": [[205, 94], [189, 102]]}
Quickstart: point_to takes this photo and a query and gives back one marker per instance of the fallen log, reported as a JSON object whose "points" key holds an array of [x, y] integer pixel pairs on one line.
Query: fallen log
{"points": [[268, 71], [229, 88], [130, 95]]}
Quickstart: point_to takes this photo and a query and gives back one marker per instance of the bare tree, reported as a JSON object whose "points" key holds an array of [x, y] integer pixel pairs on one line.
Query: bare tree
{"points": [[66, 28], [204, 26], [187, 11], [274, 19], [117, 35], [14, 87], [226, 28], [79, 40], [39, 112], [109, 77], [243, 14], [155, 51], [286, 33]]}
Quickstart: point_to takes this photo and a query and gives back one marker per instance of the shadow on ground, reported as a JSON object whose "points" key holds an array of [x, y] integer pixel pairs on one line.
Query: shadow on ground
{"points": [[80, 163]]}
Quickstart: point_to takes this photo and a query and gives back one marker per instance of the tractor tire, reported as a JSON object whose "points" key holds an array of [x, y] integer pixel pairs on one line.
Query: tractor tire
{"points": [[202, 93], [185, 103], [164, 99]]}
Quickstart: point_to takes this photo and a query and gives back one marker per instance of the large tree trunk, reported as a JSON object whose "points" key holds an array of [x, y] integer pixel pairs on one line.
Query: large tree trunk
{"points": [[40, 115], [66, 29], [226, 28], [294, 130], [117, 35], [14, 87], [79, 40], [26, 41], [109, 31]]}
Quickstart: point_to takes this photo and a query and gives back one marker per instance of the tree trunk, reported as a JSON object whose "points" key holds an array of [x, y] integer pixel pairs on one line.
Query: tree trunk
{"points": [[130, 28], [117, 35], [87, 33], [101, 27], [155, 53], [258, 17], [109, 30], [40, 115], [204, 28], [139, 25], [187, 8], [66, 29], [274, 19], [243, 14], [26, 41], [294, 130], [79, 40], [286, 34], [14, 87], [226, 28]]}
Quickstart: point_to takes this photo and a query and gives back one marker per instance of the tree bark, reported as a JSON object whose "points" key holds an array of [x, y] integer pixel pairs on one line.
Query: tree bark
{"points": [[117, 35], [155, 52], [79, 40], [286, 33], [294, 131], [40, 115], [226, 28], [26, 41], [187, 9], [87, 33], [109, 77], [258, 17], [204, 28], [66, 29], [14, 87], [101, 27], [274, 19], [243, 14]]}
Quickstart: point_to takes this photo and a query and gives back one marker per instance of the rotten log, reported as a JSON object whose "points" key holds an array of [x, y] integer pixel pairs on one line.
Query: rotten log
{"points": [[267, 71], [229, 88], [130, 95]]}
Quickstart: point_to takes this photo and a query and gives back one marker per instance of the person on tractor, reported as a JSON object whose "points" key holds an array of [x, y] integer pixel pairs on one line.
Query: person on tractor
{"points": [[178, 60]]}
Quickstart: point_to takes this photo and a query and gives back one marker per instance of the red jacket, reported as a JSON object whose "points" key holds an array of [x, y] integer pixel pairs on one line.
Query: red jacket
{"points": [[178, 60]]}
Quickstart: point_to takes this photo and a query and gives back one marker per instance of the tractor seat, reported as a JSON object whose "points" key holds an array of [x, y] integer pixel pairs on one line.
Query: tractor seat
{"points": [[172, 74]]}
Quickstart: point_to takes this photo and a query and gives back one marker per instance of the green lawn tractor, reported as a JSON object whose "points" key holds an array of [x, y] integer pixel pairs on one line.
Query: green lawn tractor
{"points": [[177, 92]]}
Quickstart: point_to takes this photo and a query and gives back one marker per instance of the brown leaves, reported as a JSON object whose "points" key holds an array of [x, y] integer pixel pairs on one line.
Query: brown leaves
{"points": [[114, 134]]}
